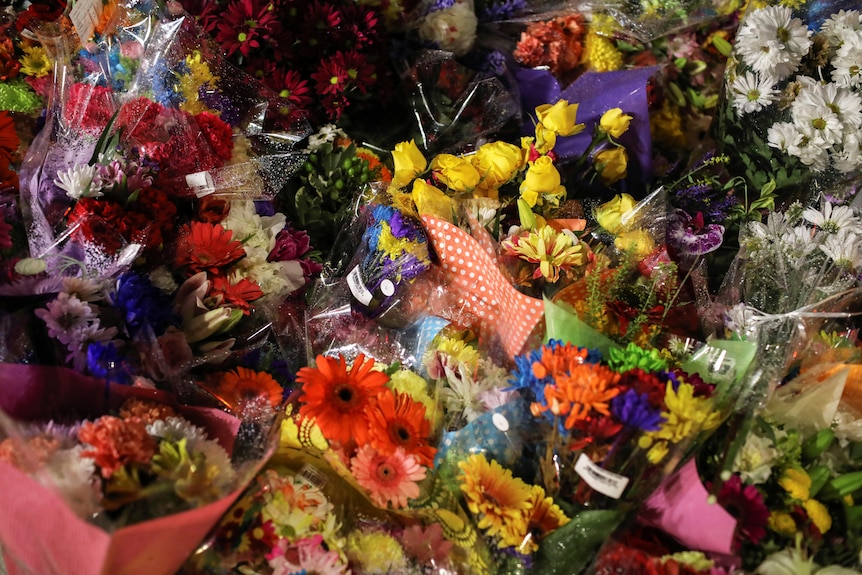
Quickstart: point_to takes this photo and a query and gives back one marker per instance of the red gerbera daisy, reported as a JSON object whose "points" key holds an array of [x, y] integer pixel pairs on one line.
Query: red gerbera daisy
{"points": [[396, 420], [337, 398], [237, 295], [207, 247]]}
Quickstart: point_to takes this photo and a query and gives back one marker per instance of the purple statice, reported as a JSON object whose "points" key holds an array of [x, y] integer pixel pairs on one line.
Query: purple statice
{"points": [[438, 5], [690, 236], [141, 303], [215, 100], [499, 11], [264, 208], [634, 410], [715, 205], [105, 360]]}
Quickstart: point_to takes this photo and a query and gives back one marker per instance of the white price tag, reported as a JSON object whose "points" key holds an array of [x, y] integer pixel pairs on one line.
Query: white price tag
{"points": [[312, 475], [85, 14], [602, 480], [357, 286], [201, 183]]}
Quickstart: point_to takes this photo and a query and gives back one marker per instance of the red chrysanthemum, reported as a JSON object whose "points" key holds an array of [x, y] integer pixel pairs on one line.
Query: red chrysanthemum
{"points": [[237, 294], [98, 222], [332, 76], [206, 247], [359, 71], [9, 64], [41, 11], [338, 398], [245, 25], [321, 17], [212, 210], [745, 503], [9, 140], [116, 442], [396, 420], [290, 85]]}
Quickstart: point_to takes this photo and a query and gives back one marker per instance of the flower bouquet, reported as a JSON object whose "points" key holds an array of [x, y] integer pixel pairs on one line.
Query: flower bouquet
{"points": [[792, 109], [132, 480]]}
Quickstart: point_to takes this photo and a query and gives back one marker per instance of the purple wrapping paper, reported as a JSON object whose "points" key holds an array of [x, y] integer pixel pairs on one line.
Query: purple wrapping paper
{"points": [[595, 93]]}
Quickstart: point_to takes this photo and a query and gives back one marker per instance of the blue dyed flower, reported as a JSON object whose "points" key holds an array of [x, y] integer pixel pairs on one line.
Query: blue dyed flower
{"points": [[141, 303], [633, 410], [106, 361], [523, 379]]}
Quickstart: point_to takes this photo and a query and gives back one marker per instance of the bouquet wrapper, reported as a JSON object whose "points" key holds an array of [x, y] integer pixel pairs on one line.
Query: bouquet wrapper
{"points": [[648, 21], [40, 532]]}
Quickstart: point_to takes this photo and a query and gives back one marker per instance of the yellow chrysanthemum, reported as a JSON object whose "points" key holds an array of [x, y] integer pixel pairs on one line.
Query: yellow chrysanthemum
{"points": [[796, 483], [461, 351], [551, 249], [35, 62], [198, 75], [409, 382], [376, 553], [492, 493], [782, 523], [684, 416], [666, 125], [818, 514], [600, 54]]}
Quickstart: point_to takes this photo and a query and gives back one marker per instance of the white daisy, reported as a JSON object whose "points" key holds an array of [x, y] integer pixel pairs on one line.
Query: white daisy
{"points": [[834, 219], [812, 151], [771, 41], [849, 158], [76, 182], [784, 135], [846, 104], [798, 242], [818, 123], [847, 62], [844, 248], [751, 92]]}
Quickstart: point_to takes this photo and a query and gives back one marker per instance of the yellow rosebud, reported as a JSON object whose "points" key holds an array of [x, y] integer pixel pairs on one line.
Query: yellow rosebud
{"points": [[454, 172], [497, 163], [430, 200], [611, 165], [610, 214], [409, 162], [636, 242], [614, 122], [545, 139], [542, 181], [560, 117]]}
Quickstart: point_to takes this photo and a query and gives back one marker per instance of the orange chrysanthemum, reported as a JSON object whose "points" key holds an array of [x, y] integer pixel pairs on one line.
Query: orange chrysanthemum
{"points": [[396, 420], [243, 386], [207, 247], [338, 399], [585, 388], [558, 359]]}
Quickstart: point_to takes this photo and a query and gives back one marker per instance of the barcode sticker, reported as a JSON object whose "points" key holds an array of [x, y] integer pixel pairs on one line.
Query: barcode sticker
{"points": [[85, 14], [312, 475], [357, 286], [601, 480]]}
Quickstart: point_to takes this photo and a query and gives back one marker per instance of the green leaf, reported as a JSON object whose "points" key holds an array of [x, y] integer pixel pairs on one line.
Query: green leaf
{"points": [[570, 548]]}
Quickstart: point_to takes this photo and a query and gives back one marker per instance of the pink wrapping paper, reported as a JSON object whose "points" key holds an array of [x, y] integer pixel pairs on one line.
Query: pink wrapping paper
{"points": [[43, 535], [680, 507]]}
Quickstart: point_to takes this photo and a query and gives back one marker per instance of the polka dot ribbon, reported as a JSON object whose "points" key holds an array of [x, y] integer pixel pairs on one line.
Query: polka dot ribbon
{"points": [[478, 285]]}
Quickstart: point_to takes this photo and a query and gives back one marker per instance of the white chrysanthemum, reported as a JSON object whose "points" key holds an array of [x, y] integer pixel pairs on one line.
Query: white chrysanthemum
{"points": [[775, 227], [772, 42], [216, 458], [847, 62], [752, 92], [278, 278], [849, 158], [76, 182], [834, 219], [756, 458], [452, 29], [75, 478], [175, 428], [798, 242], [784, 136], [814, 95], [819, 123], [839, 27], [844, 248], [462, 395], [813, 151]]}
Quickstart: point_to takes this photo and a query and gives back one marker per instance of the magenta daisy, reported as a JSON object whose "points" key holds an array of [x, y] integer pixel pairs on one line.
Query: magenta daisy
{"points": [[745, 503], [245, 25], [387, 478]]}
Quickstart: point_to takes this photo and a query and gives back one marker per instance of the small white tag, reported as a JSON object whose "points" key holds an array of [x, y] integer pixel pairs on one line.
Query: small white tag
{"points": [[357, 287], [601, 480], [387, 287], [312, 475], [201, 183], [85, 14], [500, 422]]}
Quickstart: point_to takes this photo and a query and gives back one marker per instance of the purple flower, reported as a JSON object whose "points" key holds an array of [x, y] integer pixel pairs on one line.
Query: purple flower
{"points": [[634, 410], [290, 245], [690, 236], [105, 360], [141, 303], [504, 10]]}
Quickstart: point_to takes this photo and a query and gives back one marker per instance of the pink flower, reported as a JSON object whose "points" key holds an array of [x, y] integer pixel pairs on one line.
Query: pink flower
{"points": [[427, 546], [305, 556], [389, 478]]}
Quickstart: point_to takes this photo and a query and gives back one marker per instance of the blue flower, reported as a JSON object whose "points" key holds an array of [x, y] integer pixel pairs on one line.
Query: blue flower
{"points": [[105, 360], [633, 409], [141, 303]]}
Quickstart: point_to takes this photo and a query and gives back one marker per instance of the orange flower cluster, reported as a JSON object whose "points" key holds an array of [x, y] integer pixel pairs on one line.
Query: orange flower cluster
{"points": [[557, 44], [115, 442]]}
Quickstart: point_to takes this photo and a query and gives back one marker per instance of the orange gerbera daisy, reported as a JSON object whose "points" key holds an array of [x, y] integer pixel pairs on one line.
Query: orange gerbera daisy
{"points": [[396, 420], [338, 399], [585, 388], [207, 247], [242, 386]]}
